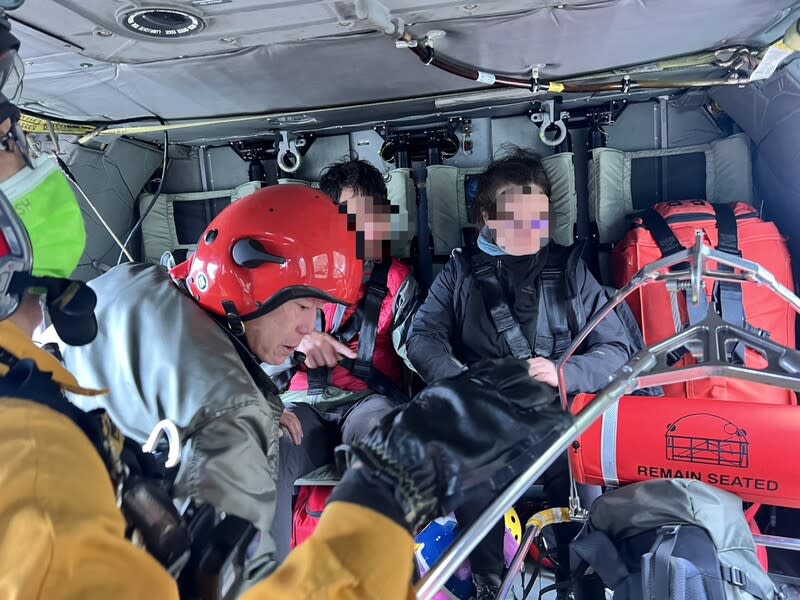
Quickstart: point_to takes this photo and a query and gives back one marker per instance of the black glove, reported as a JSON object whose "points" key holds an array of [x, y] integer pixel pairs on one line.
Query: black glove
{"points": [[481, 428]]}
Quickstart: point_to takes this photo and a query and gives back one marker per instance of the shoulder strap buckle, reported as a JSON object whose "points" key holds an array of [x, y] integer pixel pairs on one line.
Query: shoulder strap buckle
{"points": [[734, 576]]}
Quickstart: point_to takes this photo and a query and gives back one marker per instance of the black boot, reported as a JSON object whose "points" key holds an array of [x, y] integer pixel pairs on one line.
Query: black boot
{"points": [[486, 586]]}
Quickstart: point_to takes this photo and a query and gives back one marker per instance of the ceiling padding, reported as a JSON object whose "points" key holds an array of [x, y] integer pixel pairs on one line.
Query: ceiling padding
{"points": [[100, 59]]}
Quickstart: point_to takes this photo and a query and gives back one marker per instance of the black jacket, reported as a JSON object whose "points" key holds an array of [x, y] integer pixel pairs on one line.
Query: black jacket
{"points": [[453, 327]]}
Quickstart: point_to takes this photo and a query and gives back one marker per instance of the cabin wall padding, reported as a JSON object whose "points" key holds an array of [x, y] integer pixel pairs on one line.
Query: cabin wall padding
{"points": [[112, 179], [769, 112]]}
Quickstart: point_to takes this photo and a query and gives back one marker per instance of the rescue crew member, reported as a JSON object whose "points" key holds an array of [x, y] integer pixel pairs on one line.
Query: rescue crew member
{"points": [[187, 345], [454, 327], [353, 372], [61, 533]]}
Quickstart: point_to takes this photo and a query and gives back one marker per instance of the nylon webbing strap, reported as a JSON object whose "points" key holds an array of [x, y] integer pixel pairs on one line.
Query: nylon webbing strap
{"points": [[729, 293], [378, 382], [26, 381], [561, 317], [370, 311], [364, 324], [661, 553], [7, 358], [318, 377], [663, 235], [559, 299], [727, 229], [739, 578], [504, 320], [699, 310]]}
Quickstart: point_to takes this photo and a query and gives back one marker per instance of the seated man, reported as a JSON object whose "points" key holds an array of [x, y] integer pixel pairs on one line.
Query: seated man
{"points": [[455, 326], [352, 374], [187, 345]]}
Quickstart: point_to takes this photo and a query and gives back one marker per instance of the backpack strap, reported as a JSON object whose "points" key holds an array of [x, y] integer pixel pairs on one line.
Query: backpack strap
{"points": [[656, 568], [504, 320], [662, 233], [656, 564], [729, 293], [668, 243], [596, 550], [739, 578]]}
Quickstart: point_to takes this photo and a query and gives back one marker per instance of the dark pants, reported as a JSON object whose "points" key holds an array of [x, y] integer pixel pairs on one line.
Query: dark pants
{"points": [[322, 432], [487, 557]]}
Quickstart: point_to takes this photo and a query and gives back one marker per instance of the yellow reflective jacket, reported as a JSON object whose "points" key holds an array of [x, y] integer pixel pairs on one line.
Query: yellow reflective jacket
{"points": [[62, 535]]}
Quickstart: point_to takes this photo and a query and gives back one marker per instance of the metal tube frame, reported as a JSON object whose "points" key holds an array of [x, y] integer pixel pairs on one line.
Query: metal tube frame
{"points": [[532, 529], [517, 562], [776, 541], [449, 563], [626, 380]]}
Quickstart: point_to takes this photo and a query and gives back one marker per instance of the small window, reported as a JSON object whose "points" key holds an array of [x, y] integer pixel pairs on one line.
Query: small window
{"points": [[192, 217], [668, 178], [471, 194]]}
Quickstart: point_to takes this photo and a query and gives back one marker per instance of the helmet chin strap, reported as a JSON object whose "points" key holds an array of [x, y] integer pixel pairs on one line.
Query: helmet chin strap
{"points": [[232, 318]]}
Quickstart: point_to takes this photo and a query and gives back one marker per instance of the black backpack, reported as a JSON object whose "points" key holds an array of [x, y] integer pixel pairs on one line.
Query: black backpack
{"points": [[668, 539]]}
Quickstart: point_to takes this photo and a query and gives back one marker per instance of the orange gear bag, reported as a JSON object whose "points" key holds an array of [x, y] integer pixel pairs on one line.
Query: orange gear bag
{"points": [[658, 311], [747, 448]]}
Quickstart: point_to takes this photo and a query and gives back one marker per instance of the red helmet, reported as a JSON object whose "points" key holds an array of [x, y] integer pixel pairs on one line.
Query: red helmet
{"points": [[282, 242]]}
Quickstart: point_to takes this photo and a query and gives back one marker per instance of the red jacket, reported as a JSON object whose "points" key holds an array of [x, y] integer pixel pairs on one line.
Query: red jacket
{"points": [[385, 358]]}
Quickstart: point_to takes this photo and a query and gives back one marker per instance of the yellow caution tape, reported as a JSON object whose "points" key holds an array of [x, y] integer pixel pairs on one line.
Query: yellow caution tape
{"points": [[32, 124]]}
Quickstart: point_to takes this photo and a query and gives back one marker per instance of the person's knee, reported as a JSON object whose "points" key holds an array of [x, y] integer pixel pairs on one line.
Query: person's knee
{"points": [[365, 417], [289, 459]]}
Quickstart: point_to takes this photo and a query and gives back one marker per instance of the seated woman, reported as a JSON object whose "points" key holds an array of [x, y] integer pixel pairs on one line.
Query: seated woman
{"points": [[455, 326]]}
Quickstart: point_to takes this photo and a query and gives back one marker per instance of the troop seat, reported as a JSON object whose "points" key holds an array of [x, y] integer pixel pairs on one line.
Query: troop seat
{"points": [[451, 202], [624, 183], [177, 221], [324, 475]]}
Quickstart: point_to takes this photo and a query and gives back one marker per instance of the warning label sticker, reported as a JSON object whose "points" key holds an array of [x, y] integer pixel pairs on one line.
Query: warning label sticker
{"points": [[737, 481], [32, 124]]}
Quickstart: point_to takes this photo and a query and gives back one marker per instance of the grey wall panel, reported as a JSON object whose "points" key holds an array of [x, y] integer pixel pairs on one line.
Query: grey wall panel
{"points": [[639, 127], [769, 112], [367, 145], [225, 170], [636, 128], [323, 152], [481, 153], [183, 174], [112, 180], [518, 131], [690, 123]]}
